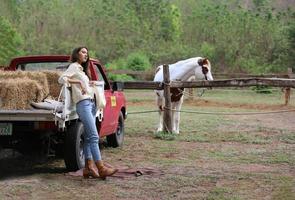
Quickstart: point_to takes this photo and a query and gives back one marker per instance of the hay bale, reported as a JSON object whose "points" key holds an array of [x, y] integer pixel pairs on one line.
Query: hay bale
{"points": [[19, 88], [52, 79], [40, 77], [17, 93]]}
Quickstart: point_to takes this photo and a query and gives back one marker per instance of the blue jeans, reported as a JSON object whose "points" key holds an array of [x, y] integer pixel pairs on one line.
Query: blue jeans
{"points": [[86, 111]]}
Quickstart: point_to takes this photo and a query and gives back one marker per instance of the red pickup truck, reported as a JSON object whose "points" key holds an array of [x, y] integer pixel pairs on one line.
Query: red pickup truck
{"points": [[36, 129]]}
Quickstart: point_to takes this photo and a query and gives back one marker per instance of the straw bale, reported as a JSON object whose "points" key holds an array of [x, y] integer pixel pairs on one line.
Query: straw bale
{"points": [[41, 79], [54, 86], [12, 74], [34, 75], [17, 93], [27, 86]]}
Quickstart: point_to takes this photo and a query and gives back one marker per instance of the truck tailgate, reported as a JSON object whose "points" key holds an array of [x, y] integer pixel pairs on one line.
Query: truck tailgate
{"points": [[26, 115]]}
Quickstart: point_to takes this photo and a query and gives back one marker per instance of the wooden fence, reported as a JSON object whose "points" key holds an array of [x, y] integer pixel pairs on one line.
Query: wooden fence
{"points": [[149, 75], [239, 82], [241, 79], [286, 83]]}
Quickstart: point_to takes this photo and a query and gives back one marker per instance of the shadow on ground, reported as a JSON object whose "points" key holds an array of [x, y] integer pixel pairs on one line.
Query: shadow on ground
{"points": [[14, 164]]}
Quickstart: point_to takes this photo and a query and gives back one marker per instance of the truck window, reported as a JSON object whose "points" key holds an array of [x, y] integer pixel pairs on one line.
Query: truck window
{"points": [[60, 66], [100, 77]]}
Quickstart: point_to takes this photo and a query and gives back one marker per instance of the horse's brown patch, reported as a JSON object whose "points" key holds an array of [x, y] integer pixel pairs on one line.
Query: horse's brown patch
{"points": [[176, 94], [203, 61]]}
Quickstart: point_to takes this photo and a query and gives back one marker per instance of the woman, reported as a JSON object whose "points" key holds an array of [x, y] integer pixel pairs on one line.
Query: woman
{"points": [[82, 96]]}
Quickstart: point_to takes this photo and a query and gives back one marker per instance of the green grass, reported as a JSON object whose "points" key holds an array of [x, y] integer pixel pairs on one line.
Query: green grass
{"points": [[228, 140], [259, 155], [165, 135], [288, 138], [246, 96], [221, 193], [284, 188], [206, 128], [213, 157], [238, 96]]}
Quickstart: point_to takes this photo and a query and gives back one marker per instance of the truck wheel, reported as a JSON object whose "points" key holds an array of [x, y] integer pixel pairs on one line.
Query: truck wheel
{"points": [[116, 139], [74, 156]]}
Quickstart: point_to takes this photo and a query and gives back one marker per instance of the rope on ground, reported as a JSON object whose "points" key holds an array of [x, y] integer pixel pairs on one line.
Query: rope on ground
{"points": [[235, 113], [142, 112], [188, 95], [215, 113]]}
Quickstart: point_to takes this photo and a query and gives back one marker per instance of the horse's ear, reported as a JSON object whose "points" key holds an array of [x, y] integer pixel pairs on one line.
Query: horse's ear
{"points": [[203, 61], [200, 62]]}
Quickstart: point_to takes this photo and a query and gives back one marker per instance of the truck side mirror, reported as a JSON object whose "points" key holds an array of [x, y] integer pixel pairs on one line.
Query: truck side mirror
{"points": [[117, 86]]}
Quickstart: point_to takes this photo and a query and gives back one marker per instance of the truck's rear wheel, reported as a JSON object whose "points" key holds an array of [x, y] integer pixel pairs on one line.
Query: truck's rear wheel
{"points": [[116, 139], [74, 156]]}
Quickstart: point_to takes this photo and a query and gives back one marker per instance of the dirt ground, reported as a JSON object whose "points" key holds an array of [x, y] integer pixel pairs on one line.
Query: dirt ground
{"points": [[259, 165]]}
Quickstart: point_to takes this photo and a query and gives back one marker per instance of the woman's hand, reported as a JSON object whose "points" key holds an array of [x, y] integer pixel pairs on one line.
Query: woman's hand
{"points": [[92, 83]]}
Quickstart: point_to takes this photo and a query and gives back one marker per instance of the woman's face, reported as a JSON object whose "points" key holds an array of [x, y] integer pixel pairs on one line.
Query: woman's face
{"points": [[83, 55]]}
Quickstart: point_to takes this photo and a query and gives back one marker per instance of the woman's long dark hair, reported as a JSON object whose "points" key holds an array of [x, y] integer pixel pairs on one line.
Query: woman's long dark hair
{"points": [[75, 57]]}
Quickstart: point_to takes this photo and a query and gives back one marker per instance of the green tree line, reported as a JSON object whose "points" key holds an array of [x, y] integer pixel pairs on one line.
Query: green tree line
{"points": [[237, 37]]}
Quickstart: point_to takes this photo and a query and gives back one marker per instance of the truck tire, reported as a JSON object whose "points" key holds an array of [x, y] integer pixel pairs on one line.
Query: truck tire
{"points": [[74, 156], [116, 139]]}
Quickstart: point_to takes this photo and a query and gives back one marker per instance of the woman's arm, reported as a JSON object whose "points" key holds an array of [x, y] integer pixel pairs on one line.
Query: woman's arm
{"points": [[66, 77], [76, 81]]}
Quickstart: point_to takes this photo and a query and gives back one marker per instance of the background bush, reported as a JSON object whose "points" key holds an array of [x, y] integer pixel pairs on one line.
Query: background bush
{"points": [[237, 36]]}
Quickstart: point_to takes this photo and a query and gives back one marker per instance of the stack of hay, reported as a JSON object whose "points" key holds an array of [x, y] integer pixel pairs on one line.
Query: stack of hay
{"points": [[52, 79], [18, 89]]}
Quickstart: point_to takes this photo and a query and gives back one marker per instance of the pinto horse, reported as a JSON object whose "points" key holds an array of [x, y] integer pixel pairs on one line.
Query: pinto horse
{"points": [[198, 67]]}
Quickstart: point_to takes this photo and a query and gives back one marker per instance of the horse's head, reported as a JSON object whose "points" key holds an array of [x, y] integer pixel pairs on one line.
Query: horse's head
{"points": [[204, 70]]}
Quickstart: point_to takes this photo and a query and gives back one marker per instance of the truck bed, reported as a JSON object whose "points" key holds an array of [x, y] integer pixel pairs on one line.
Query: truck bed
{"points": [[26, 115]]}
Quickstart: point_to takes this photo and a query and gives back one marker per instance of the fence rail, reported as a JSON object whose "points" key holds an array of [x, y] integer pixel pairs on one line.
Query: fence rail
{"points": [[148, 75], [241, 82]]}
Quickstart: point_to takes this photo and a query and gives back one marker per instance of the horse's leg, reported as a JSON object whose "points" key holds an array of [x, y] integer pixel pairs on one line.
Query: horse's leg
{"points": [[159, 100], [173, 106], [177, 114], [160, 125]]}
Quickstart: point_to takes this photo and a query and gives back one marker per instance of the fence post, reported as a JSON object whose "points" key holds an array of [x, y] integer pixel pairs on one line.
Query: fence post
{"points": [[167, 118], [288, 89]]}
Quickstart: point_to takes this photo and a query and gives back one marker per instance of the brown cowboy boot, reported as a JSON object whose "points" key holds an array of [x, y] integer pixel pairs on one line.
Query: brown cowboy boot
{"points": [[104, 171], [89, 170]]}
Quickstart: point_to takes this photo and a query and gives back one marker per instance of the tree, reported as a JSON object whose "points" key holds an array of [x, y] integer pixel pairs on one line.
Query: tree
{"points": [[9, 10], [291, 50], [10, 41]]}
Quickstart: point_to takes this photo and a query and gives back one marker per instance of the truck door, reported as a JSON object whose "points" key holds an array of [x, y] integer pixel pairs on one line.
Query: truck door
{"points": [[109, 122]]}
